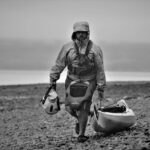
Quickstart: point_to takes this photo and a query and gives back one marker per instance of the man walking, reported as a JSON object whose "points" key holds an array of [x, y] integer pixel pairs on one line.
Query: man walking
{"points": [[84, 61]]}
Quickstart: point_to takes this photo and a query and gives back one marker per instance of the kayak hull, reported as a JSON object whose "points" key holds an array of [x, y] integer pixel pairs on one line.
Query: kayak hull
{"points": [[113, 122]]}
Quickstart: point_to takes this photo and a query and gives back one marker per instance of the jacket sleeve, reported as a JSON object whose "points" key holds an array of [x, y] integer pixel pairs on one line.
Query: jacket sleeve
{"points": [[59, 66], [100, 76]]}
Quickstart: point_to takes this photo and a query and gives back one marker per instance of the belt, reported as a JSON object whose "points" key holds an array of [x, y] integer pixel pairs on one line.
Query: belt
{"points": [[83, 78]]}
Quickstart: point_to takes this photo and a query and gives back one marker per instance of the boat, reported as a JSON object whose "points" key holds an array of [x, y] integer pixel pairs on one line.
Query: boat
{"points": [[108, 122]]}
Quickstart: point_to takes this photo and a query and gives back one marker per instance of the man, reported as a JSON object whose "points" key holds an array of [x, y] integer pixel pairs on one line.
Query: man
{"points": [[84, 61]]}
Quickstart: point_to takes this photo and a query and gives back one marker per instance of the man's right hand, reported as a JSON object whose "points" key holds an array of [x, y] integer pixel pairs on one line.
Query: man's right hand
{"points": [[53, 85]]}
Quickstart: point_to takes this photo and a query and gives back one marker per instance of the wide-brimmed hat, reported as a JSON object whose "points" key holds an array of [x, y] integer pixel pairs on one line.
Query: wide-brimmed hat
{"points": [[80, 26]]}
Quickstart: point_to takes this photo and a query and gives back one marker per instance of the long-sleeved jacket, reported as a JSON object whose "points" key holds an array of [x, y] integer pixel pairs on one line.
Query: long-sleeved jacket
{"points": [[68, 57]]}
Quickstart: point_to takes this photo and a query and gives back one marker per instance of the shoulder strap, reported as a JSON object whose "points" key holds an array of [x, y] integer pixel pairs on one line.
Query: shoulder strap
{"points": [[76, 48], [89, 46], [68, 51]]}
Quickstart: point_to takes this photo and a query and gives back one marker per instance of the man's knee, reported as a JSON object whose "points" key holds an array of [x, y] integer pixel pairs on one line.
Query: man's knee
{"points": [[70, 111]]}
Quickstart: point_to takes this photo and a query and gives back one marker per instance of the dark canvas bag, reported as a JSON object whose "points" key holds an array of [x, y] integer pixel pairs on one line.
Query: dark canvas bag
{"points": [[114, 108], [78, 89], [76, 94], [79, 92]]}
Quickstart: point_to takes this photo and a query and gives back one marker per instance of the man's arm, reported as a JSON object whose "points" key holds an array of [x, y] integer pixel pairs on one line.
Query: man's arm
{"points": [[59, 66], [100, 76]]}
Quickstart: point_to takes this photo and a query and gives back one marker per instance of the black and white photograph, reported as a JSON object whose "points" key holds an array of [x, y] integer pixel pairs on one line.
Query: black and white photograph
{"points": [[74, 75]]}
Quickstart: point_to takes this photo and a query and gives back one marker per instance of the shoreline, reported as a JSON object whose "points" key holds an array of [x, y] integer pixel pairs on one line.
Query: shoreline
{"points": [[60, 83]]}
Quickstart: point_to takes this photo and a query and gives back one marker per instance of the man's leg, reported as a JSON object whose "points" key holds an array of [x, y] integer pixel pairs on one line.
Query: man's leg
{"points": [[74, 114], [83, 118], [69, 109]]}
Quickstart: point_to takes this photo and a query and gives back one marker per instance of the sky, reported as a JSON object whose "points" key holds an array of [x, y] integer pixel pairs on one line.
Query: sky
{"points": [[32, 32]]}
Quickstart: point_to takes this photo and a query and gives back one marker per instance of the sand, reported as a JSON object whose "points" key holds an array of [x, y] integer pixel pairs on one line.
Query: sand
{"points": [[25, 126]]}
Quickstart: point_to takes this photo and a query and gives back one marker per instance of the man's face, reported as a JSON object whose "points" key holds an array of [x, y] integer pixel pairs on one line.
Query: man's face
{"points": [[81, 35]]}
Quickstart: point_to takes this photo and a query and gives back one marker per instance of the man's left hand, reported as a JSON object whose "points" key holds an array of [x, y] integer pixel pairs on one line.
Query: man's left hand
{"points": [[101, 95]]}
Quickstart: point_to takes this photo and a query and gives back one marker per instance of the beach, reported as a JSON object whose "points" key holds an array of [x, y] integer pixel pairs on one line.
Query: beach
{"points": [[25, 126]]}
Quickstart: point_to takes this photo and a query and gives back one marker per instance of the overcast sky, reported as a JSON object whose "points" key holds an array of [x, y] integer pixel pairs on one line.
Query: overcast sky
{"points": [[33, 31]]}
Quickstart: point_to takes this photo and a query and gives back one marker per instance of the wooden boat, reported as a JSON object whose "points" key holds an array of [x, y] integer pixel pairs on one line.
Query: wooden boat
{"points": [[113, 122]]}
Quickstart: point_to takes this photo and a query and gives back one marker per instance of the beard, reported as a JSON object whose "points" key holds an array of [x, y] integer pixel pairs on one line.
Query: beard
{"points": [[81, 38], [82, 41]]}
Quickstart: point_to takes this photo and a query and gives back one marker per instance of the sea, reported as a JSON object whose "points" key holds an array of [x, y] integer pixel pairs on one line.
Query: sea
{"points": [[15, 77]]}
